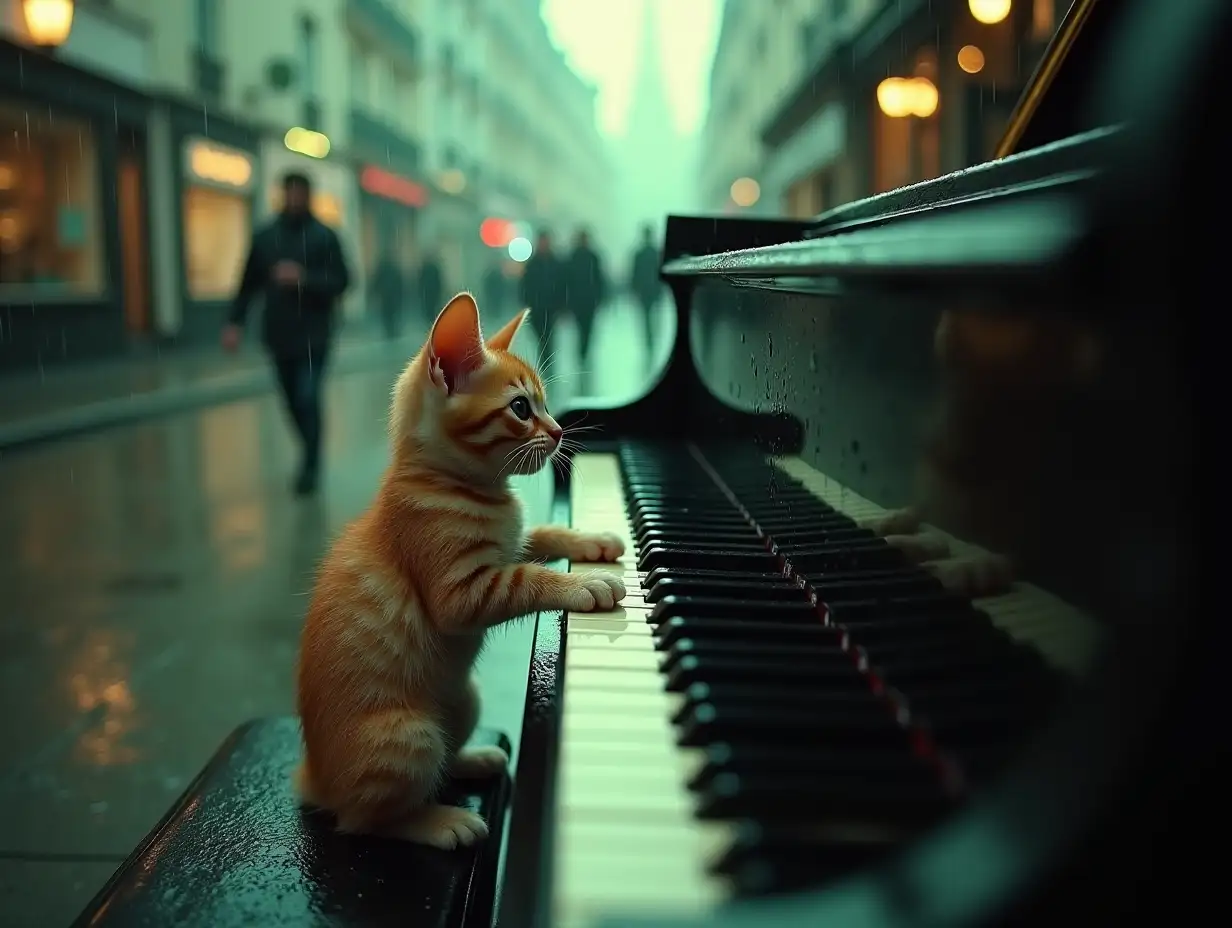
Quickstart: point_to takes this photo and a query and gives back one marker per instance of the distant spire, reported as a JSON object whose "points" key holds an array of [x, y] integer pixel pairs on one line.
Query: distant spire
{"points": [[649, 112]]}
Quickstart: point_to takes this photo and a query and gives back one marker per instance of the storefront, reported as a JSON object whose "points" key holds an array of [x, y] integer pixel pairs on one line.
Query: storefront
{"points": [[334, 202], [74, 280]]}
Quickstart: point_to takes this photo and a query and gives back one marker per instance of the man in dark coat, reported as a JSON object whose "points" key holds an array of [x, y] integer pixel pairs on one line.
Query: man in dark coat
{"points": [[296, 262], [645, 283], [585, 289], [542, 289]]}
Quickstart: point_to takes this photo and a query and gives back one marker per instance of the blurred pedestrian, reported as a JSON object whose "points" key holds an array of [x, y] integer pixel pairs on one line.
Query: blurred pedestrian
{"points": [[585, 289], [387, 293], [431, 286], [297, 263], [645, 283], [496, 291], [542, 288]]}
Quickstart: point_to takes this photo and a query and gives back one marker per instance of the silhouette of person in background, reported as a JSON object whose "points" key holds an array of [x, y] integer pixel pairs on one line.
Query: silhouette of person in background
{"points": [[585, 288], [645, 283], [387, 293], [431, 287], [496, 290], [297, 262], [542, 289]]}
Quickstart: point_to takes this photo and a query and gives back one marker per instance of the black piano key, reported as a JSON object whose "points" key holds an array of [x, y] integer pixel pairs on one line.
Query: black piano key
{"points": [[763, 860], [922, 606], [788, 542], [713, 607], [767, 671], [763, 590], [843, 726], [824, 559], [678, 627], [818, 654], [758, 695], [838, 586], [887, 767], [654, 556], [837, 797], [748, 543], [690, 574]]}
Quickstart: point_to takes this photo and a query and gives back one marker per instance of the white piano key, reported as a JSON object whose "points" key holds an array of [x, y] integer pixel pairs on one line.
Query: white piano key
{"points": [[1065, 636], [626, 834]]}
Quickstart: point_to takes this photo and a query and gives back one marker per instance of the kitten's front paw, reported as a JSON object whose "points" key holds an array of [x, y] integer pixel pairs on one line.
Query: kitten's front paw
{"points": [[594, 591], [596, 549]]}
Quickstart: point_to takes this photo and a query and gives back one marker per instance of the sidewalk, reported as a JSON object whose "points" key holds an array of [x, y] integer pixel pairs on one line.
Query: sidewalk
{"points": [[43, 405]]}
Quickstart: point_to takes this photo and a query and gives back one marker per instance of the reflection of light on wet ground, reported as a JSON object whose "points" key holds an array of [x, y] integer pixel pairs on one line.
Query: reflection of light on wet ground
{"points": [[238, 533], [230, 448], [98, 684]]}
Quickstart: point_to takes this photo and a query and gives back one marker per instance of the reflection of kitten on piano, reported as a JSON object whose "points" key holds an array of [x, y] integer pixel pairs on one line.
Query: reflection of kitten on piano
{"points": [[405, 596], [1005, 379]]}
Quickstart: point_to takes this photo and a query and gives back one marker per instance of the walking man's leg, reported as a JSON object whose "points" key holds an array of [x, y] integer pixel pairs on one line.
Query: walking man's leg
{"points": [[312, 417]]}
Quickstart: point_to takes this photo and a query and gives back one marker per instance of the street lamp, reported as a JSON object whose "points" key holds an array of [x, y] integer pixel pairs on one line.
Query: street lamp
{"points": [[989, 12], [48, 21]]}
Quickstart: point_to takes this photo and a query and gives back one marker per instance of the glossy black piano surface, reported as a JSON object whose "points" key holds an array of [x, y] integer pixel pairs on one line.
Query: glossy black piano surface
{"points": [[1002, 356]]}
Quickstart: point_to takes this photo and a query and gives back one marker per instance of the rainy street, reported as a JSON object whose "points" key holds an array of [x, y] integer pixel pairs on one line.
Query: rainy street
{"points": [[154, 580]]}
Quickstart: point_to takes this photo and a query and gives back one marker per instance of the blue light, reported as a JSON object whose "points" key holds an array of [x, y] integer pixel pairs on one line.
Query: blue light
{"points": [[520, 249]]}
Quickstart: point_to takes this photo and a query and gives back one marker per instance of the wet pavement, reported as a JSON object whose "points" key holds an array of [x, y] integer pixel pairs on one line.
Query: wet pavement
{"points": [[153, 581]]}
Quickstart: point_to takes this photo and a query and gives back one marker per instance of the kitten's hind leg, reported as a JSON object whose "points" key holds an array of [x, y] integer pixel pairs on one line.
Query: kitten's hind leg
{"points": [[395, 761], [475, 763]]}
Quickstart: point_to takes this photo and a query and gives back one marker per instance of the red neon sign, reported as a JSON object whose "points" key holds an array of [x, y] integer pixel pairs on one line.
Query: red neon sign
{"points": [[392, 187]]}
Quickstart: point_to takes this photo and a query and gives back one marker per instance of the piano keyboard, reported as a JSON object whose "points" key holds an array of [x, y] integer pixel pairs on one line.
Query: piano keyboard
{"points": [[759, 717]]}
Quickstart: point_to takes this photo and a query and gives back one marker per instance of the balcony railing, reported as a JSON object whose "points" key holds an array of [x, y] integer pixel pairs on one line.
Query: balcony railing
{"points": [[380, 25], [379, 144]]}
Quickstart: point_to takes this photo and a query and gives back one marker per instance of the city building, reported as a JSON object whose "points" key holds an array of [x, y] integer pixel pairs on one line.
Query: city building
{"points": [[763, 49], [655, 158], [899, 92], [548, 166], [73, 184], [142, 141]]}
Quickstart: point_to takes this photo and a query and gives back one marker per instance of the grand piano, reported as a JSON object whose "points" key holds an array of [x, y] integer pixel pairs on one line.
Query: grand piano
{"points": [[910, 636]]}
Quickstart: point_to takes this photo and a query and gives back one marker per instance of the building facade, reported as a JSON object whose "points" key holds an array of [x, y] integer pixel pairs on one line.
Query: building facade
{"points": [[860, 96], [138, 155]]}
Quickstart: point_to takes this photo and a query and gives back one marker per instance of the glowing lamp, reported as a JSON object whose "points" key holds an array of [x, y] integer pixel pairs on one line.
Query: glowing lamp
{"points": [[907, 96], [48, 21], [520, 249], [989, 12], [496, 233], [745, 191], [971, 59], [306, 142]]}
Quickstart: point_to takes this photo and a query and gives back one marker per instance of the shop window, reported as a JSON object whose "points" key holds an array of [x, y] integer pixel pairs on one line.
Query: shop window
{"points": [[217, 231], [50, 223]]}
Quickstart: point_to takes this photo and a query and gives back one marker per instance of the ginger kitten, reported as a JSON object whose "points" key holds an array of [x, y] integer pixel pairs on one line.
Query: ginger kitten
{"points": [[407, 592]]}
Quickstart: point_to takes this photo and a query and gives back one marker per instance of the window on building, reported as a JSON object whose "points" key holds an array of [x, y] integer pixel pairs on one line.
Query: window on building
{"points": [[50, 223], [206, 17], [308, 53], [216, 233]]}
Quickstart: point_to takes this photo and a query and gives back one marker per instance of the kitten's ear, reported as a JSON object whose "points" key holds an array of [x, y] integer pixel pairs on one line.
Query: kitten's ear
{"points": [[504, 338], [456, 343]]}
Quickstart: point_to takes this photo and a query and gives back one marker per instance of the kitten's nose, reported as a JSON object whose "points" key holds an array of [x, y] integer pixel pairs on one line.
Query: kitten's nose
{"points": [[554, 429]]}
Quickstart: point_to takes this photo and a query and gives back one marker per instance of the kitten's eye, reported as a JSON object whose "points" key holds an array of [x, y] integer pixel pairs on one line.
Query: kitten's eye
{"points": [[520, 407]]}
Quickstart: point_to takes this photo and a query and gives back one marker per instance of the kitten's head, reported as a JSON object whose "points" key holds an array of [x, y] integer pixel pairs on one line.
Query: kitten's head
{"points": [[470, 406]]}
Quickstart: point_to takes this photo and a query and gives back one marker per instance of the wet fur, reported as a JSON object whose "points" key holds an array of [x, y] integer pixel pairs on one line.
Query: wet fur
{"points": [[408, 591]]}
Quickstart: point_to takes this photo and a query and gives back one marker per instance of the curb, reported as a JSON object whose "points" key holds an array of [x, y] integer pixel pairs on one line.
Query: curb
{"points": [[213, 391]]}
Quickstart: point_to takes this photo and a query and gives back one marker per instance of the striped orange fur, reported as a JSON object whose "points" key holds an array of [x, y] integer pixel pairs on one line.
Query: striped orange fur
{"points": [[407, 592]]}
